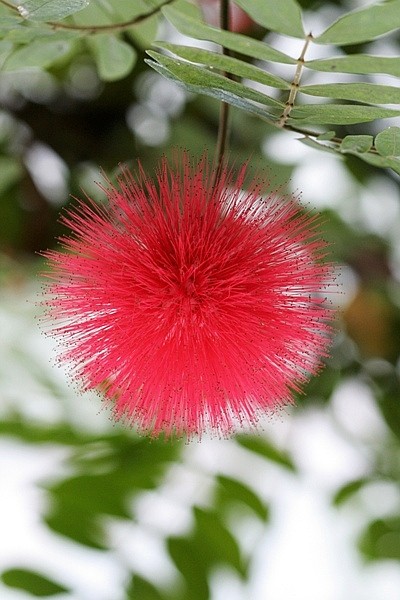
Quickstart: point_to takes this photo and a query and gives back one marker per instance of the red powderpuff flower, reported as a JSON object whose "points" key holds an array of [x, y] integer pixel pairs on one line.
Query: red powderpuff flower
{"points": [[192, 305]]}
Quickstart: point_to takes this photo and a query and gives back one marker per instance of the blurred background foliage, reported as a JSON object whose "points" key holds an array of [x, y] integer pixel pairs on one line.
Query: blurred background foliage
{"points": [[73, 102]]}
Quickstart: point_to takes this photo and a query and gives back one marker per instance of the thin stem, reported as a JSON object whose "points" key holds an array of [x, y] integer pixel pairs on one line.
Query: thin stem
{"points": [[92, 29], [223, 125], [294, 86], [9, 5]]}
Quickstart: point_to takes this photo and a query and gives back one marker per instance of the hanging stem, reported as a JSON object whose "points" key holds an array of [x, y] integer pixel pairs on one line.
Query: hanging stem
{"points": [[223, 124]]}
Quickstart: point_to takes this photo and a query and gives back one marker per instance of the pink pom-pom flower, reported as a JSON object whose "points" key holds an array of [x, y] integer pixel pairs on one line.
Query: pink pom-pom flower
{"points": [[190, 304]]}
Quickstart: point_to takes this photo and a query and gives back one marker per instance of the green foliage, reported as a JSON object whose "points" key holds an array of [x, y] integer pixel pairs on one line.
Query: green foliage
{"points": [[381, 539], [232, 491], [114, 58], [356, 144], [41, 53], [52, 10], [210, 83], [339, 114], [104, 483], [358, 92], [383, 151], [362, 64], [224, 63], [32, 582], [140, 588], [41, 40], [267, 450], [387, 142], [348, 490], [187, 19], [285, 19], [363, 25]]}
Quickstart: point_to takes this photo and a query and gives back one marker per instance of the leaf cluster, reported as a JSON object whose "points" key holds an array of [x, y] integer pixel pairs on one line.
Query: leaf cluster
{"points": [[37, 35]]}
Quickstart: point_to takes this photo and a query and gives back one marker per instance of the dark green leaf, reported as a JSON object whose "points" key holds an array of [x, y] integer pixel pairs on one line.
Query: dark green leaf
{"points": [[357, 143], [389, 387], [40, 54], [225, 63], [265, 449], [232, 490], [11, 171], [357, 63], [101, 494], [76, 525], [348, 490], [38, 434], [363, 25], [188, 21], [381, 539], [358, 92], [140, 589], [338, 114], [114, 57], [387, 142], [191, 564], [283, 17], [215, 543], [49, 10], [32, 582]]}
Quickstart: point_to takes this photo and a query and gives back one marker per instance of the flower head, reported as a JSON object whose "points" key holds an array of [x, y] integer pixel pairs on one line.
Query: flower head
{"points": [[192, 305]]}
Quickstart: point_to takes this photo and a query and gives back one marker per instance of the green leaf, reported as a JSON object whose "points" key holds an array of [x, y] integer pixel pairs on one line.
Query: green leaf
{"points": [[101, 494], [358, 92], [6, 48], [214, 542], [140, 589], [265, 449], [225, 63], [31, 582], [357, 144], [381, 161], [389, 388], [328, 135], [114, 58], [387, 142], [190, 563], [19, 33], [381, 539], [220, 95], [40, 54], [363, 25], [187, 20], [348, 490], [308, 141], [203, 78], [283, 16], [232, 490], [338, 114], [357, 63], [49, 10], [11, 171], [77, 525]]}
